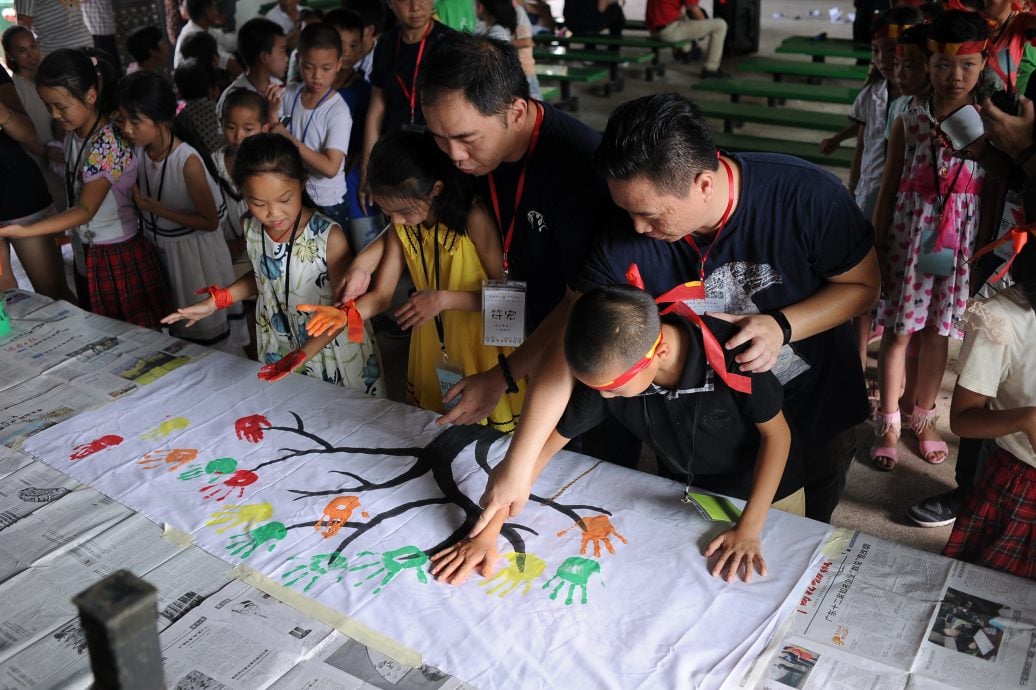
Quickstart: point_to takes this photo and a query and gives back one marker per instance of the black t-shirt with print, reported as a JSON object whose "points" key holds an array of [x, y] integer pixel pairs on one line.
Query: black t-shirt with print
{"points": [[565, 204], [795, 226]]}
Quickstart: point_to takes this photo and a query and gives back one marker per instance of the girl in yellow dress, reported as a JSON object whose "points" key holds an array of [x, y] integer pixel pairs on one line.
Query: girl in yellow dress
{"points": [[449, 242]]}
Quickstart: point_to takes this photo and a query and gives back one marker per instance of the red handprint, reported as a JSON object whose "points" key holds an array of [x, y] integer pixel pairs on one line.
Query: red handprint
{"points": [[250, 428], [282, 367], [95, 446], [238, 480]]}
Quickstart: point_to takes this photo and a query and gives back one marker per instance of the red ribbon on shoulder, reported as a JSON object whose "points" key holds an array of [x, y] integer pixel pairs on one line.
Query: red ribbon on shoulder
{"points": [[713, 350], [1018, 236]]}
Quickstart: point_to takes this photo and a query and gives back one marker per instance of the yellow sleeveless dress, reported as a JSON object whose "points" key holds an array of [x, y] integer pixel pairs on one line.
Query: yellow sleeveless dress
{"points": [[459, 269]]}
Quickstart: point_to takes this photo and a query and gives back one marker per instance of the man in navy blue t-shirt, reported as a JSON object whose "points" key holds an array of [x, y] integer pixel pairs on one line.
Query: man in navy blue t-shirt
{"points": [[783, 253]]}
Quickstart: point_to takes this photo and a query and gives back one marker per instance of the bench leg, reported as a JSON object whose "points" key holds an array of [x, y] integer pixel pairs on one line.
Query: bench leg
{"points": [[728, 126]]}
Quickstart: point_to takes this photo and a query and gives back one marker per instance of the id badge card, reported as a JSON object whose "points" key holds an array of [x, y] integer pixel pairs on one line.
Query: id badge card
{"points": [[936, 263], [503, 312], [707, 305], [448, 376]]}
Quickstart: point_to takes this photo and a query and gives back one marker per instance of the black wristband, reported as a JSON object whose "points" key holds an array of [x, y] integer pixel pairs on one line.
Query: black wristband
{"points": [[783, 322], [505, 368], [1023, 157]]}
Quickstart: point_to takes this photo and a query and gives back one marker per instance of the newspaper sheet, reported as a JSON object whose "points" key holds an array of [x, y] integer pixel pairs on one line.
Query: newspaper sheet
{"points": [[238, 638], [345, 663], [30, 488], [883, 616], [22, 303]]}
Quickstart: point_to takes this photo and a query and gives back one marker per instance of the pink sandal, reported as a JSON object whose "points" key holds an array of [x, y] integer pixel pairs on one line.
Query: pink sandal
{"points": [[921, 421], [884, 424]]}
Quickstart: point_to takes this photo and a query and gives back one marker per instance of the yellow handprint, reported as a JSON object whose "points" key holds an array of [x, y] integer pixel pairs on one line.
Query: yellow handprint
{"points": [[165, 428], [522, 568], [246, 515]]}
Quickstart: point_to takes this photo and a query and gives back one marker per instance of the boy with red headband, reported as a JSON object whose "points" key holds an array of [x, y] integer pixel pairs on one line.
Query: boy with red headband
{"points": [[669, 381]]}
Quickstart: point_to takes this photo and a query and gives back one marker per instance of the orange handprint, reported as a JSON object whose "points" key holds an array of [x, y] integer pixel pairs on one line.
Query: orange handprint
{"points": [[336, 514], [174, 459], [596, 529]]}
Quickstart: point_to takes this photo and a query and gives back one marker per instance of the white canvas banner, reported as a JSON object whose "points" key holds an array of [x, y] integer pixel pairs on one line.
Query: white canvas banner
{"points": [[601, 582]]}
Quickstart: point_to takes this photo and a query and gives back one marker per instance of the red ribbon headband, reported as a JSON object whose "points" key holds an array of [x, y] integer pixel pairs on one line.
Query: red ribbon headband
{"points": [[640, 365], [713, 350], [966, 48], [1018, 236], [889, 31]]}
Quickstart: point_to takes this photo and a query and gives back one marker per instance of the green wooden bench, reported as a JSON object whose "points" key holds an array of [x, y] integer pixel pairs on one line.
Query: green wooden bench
{"points": [[800, 68], [778, 91], [732, 113], [566, 75], [823, 48], [806, 150], [655, 46], [614, 61]]}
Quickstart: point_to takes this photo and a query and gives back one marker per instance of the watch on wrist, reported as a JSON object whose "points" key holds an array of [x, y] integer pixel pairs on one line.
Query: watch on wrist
{"points": [[782, 321]]}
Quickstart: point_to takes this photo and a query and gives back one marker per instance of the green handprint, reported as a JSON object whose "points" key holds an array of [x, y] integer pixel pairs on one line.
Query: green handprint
{"points": [[242, 545], [214, 468], [576, 572], [393, 563], [522, 568], [319, 564]]}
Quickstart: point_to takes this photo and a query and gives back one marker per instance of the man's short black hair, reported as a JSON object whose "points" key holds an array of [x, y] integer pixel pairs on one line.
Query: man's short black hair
{"points": [[196, 9], [319, 37], [143, 41], [200, 45], [344, 20], [485, 70], [372, 12], [255, 37], [193, 79], [610, 327], [663, 138]]}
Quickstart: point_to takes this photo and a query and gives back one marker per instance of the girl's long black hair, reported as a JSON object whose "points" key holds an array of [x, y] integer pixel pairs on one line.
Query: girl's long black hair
{"points": [[406, 165], [148, 94], [78, 71]]}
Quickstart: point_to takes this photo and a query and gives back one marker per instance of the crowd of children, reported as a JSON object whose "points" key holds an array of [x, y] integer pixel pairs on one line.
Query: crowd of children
{"points": [[213, 152]]}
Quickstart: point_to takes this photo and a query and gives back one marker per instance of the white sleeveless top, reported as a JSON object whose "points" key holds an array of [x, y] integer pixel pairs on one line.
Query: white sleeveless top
{"points": [[164, 181]]}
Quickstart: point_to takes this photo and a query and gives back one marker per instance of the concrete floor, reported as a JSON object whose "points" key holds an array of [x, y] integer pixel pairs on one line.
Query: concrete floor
{"points": [[874, 501]]}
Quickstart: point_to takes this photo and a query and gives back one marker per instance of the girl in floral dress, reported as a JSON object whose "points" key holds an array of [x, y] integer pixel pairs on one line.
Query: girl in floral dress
{"points": [[926, 222], [297, 254]]}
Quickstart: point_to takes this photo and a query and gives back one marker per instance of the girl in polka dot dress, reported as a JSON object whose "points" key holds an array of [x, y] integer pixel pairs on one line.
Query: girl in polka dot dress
{"points": [[926, 222]]}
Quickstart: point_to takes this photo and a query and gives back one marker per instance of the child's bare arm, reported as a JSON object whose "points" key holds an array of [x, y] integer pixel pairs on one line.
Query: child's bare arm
{"points": [[969, 418], [740, 547]]}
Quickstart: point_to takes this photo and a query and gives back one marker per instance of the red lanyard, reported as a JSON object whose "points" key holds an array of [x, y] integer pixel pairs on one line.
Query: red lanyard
{"points": [[722, 221], [411, 93], [509, 235]]}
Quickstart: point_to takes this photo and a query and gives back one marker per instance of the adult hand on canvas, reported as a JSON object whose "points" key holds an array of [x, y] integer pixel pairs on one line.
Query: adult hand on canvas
{"points": [[737, 548], [282, 367], [762, 332], [250, 428], [453, 565], [421, 307], [508, 489], [193, 314], [478, 393]]}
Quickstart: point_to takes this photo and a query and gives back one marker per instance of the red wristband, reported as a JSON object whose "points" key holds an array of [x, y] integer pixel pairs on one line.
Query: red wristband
{"points": [[220, 295], [355, 322]]}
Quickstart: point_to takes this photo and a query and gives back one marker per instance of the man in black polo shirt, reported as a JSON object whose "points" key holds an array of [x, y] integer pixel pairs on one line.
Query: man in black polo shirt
{"points": [[783, 253], [476, 104]]}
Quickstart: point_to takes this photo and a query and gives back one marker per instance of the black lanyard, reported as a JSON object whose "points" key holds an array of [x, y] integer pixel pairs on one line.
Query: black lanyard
{"points": [[439, 328], [287, 278], [70, 175]]}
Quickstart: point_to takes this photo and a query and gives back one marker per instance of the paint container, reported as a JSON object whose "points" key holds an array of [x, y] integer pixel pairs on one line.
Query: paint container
{"points": [[5, 320]]}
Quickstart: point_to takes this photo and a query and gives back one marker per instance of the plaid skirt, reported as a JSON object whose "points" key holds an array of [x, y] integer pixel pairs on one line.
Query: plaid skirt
{"points": [[126, 282], [996, 527]]}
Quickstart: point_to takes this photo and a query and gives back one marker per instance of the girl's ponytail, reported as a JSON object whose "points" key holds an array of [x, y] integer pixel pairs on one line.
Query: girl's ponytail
{"points": [[78, 71]]}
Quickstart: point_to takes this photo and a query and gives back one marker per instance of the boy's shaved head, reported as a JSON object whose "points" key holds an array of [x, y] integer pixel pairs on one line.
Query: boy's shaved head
{"points": [[610, 328]]}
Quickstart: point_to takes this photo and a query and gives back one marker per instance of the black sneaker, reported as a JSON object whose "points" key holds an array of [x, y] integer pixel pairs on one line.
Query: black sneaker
{"points": [[937, 511], [714, 74]]}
